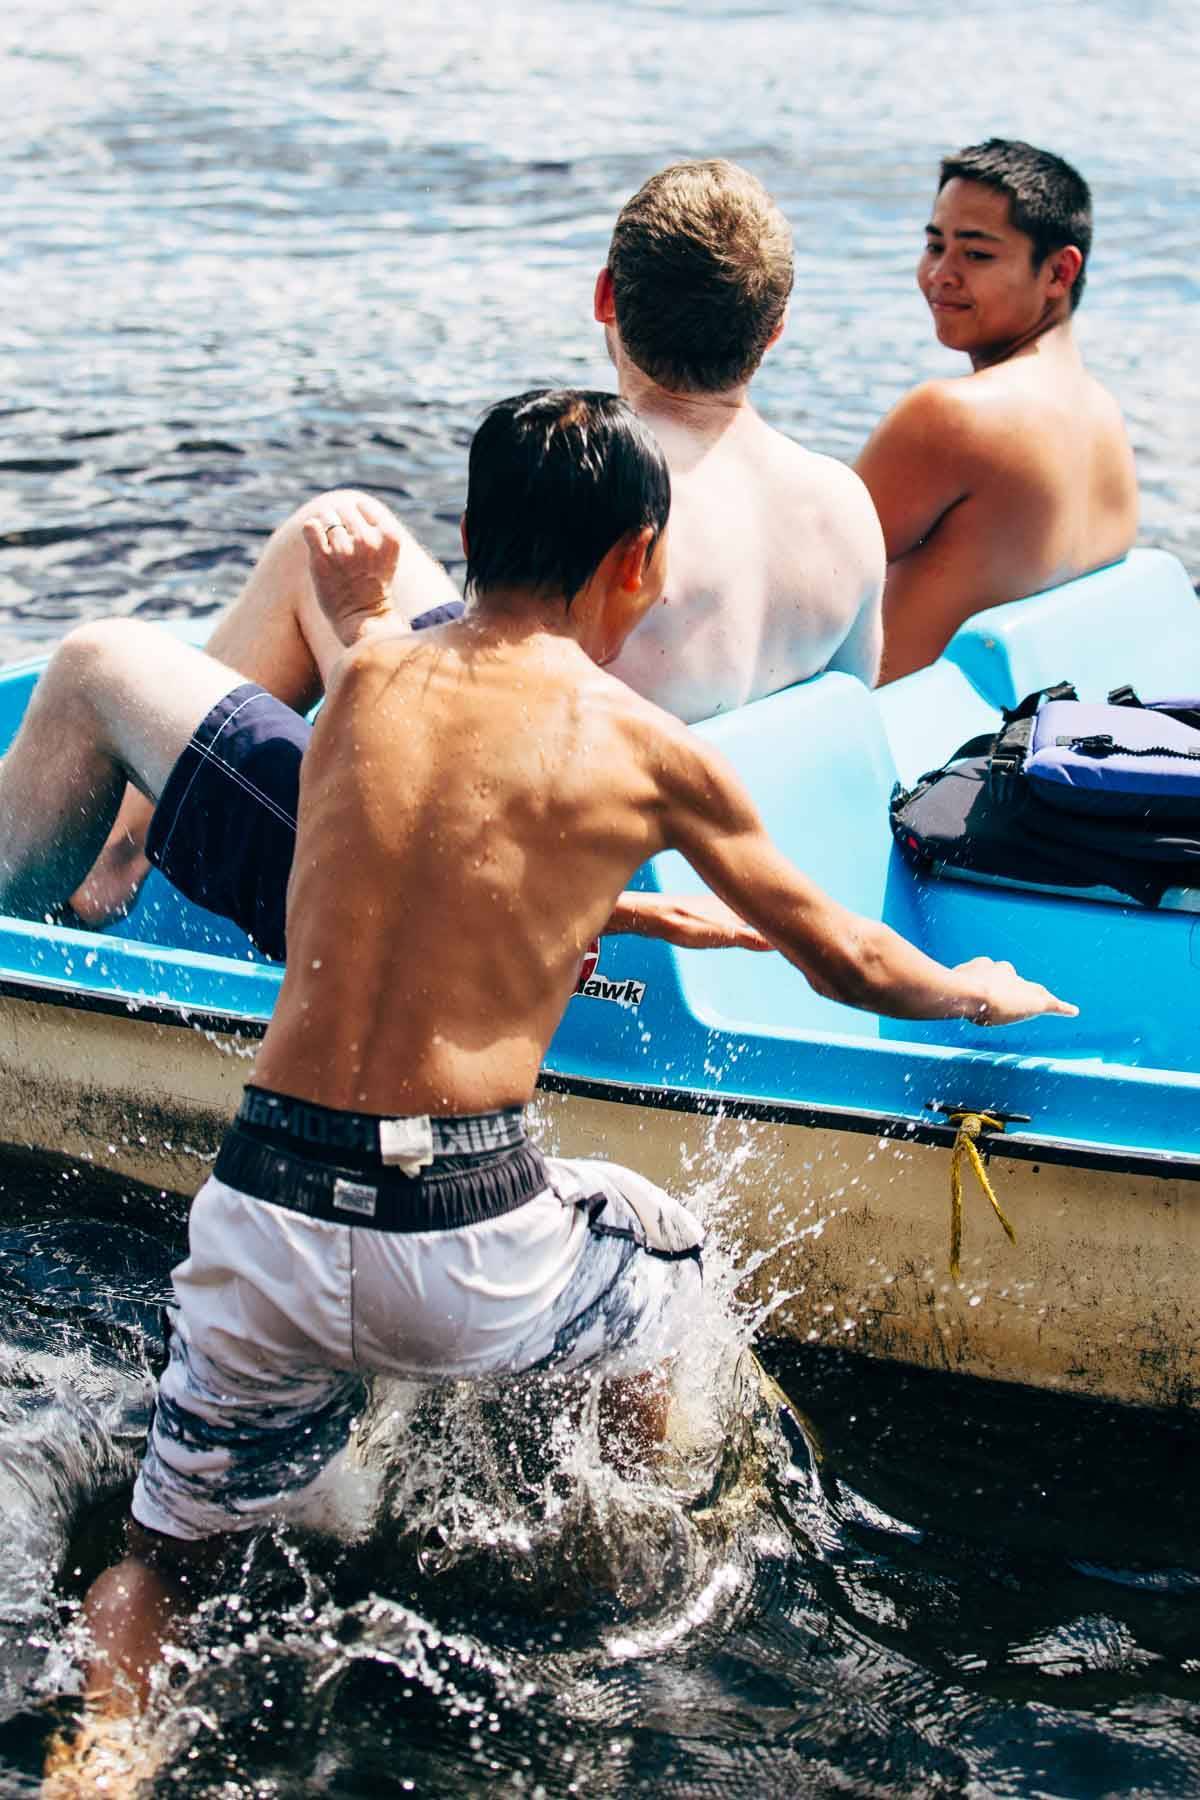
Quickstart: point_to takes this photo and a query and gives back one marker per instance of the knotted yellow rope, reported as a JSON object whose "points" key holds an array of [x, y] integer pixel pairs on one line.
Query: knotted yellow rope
{"points": [[970, 1124]]}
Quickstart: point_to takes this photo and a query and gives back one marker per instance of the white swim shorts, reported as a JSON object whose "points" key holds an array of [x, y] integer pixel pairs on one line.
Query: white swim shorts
{"points": [[314, 1260]]}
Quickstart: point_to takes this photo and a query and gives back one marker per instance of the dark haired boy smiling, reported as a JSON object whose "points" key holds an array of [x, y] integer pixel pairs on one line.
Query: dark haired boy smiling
{"points": [[1021, 476]]}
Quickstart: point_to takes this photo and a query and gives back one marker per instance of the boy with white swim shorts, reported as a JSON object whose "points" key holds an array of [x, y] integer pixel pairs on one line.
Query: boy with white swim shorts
{"points": [[472, 802]]}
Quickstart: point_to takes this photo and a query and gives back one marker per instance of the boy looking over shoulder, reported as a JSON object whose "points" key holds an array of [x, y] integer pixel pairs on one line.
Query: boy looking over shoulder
{"points": [[490, 788], [1019, 476]]}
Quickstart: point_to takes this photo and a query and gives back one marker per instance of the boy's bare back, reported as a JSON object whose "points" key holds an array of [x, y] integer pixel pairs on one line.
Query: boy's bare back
{"points": [[475, 798], [1015, 478], [471, 806], [776, 568]]}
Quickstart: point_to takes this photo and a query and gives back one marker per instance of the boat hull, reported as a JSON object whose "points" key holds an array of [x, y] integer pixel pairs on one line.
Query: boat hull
{"points": [[816, 1139], [845, 1235], [138, 1097], [841, 1235]]}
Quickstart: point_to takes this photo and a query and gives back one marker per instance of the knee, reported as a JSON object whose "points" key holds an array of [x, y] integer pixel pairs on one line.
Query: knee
{"points": [[93, 656]]}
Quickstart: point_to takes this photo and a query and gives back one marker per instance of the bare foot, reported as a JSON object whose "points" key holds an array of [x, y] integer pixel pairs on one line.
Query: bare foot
{"points": [[112, 884], [104, 1757]]}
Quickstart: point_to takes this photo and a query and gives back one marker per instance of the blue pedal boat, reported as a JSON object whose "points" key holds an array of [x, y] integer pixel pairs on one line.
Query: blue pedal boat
{"points": [[819, 1142]]}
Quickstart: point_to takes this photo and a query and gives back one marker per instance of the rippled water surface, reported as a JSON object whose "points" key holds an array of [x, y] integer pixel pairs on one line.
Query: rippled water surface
{"points": [[253, 249], [250, 251]]}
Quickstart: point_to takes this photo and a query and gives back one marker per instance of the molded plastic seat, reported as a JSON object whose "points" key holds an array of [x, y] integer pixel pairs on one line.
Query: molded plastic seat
{"points": [[929, 714], [1136, 621], [817, 761]]}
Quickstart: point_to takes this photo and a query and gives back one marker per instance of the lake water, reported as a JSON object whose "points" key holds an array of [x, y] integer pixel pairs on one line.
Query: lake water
{"points": [[252, 251]]}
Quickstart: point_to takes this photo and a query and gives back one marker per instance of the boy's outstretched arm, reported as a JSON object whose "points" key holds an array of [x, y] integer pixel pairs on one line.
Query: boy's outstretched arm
{"points": [[690, 921], [714, 823]]}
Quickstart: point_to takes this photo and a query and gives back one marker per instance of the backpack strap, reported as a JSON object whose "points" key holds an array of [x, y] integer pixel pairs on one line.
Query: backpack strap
{"points": [[1011, 746], [1008, 754], [1185, 714], [1026, 708]]}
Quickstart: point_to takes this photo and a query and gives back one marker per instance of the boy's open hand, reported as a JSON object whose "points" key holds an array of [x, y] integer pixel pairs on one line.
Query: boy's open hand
{"points": [[689, 921], [353, 550], [1006, 997]]}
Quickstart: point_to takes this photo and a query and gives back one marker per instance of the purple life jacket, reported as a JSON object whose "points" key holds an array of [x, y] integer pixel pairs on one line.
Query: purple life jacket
{"points": [[1120, 759], [1066, 795]]}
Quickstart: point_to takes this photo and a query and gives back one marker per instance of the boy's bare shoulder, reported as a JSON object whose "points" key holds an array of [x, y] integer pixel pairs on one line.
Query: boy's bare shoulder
{"points": [[936, 410], [663, 741], [683, 765], [959, 430], [822, 487], [632, 712]]}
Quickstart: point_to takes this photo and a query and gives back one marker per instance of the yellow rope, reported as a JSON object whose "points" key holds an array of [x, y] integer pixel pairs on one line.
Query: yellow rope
{"points": [[970, 1124]]}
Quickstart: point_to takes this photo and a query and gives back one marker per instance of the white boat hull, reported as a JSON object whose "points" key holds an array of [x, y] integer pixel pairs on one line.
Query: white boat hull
{"points": [[846, 1233], [847, 1238]]}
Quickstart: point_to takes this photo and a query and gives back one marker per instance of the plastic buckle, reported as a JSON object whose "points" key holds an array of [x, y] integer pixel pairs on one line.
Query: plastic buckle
{"points": [[1005, 765]]}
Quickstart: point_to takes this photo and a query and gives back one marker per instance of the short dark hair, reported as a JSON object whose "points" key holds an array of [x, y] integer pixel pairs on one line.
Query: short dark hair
{"points": [[701, 265], [1048, 200], [556, 477]]}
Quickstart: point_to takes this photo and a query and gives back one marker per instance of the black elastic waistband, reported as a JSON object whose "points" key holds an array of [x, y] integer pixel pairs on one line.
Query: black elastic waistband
{"points": [[322, 1130], [454, 1191]]}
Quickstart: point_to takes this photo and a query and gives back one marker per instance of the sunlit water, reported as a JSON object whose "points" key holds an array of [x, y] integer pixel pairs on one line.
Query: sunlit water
{"points": [[251, 251]]}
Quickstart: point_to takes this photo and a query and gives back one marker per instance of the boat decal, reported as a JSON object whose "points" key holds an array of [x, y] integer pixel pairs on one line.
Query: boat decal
{"points": [[626, 993], [591, 985]]}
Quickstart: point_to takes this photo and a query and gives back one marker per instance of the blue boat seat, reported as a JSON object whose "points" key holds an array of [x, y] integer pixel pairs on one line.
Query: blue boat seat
{"points": [[817, 761], [161, 915], [1136, 621], [1080, 947], [928, 714]]}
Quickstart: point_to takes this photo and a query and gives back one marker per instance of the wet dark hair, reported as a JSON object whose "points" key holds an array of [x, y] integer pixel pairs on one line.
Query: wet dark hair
{"points": [[556, 477], [1048, 200]]}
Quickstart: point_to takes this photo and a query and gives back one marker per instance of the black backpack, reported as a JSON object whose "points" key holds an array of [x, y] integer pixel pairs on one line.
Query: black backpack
{"points": [[1086, 803]]}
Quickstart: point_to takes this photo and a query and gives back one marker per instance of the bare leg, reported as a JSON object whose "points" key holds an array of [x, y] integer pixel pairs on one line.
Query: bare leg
{"points": [[633, 1417], [130, 1612], [275, 634], [118, 702]]}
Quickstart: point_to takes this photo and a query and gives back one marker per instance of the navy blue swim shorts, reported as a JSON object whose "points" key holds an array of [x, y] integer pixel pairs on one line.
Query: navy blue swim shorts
{"points": [[224, 830]]}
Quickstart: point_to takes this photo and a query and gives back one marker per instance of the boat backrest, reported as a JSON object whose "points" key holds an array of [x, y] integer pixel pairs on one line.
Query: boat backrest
{"points": [[1137, 621], [817, 761]]}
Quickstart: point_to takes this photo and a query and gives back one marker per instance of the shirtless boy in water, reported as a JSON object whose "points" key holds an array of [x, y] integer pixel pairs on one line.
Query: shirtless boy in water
{"points": [[1020, 476], [490, 787], [777, 557]]}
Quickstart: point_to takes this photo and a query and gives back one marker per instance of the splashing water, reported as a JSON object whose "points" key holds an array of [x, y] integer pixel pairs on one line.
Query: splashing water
{"points": [[489, 1503]]}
